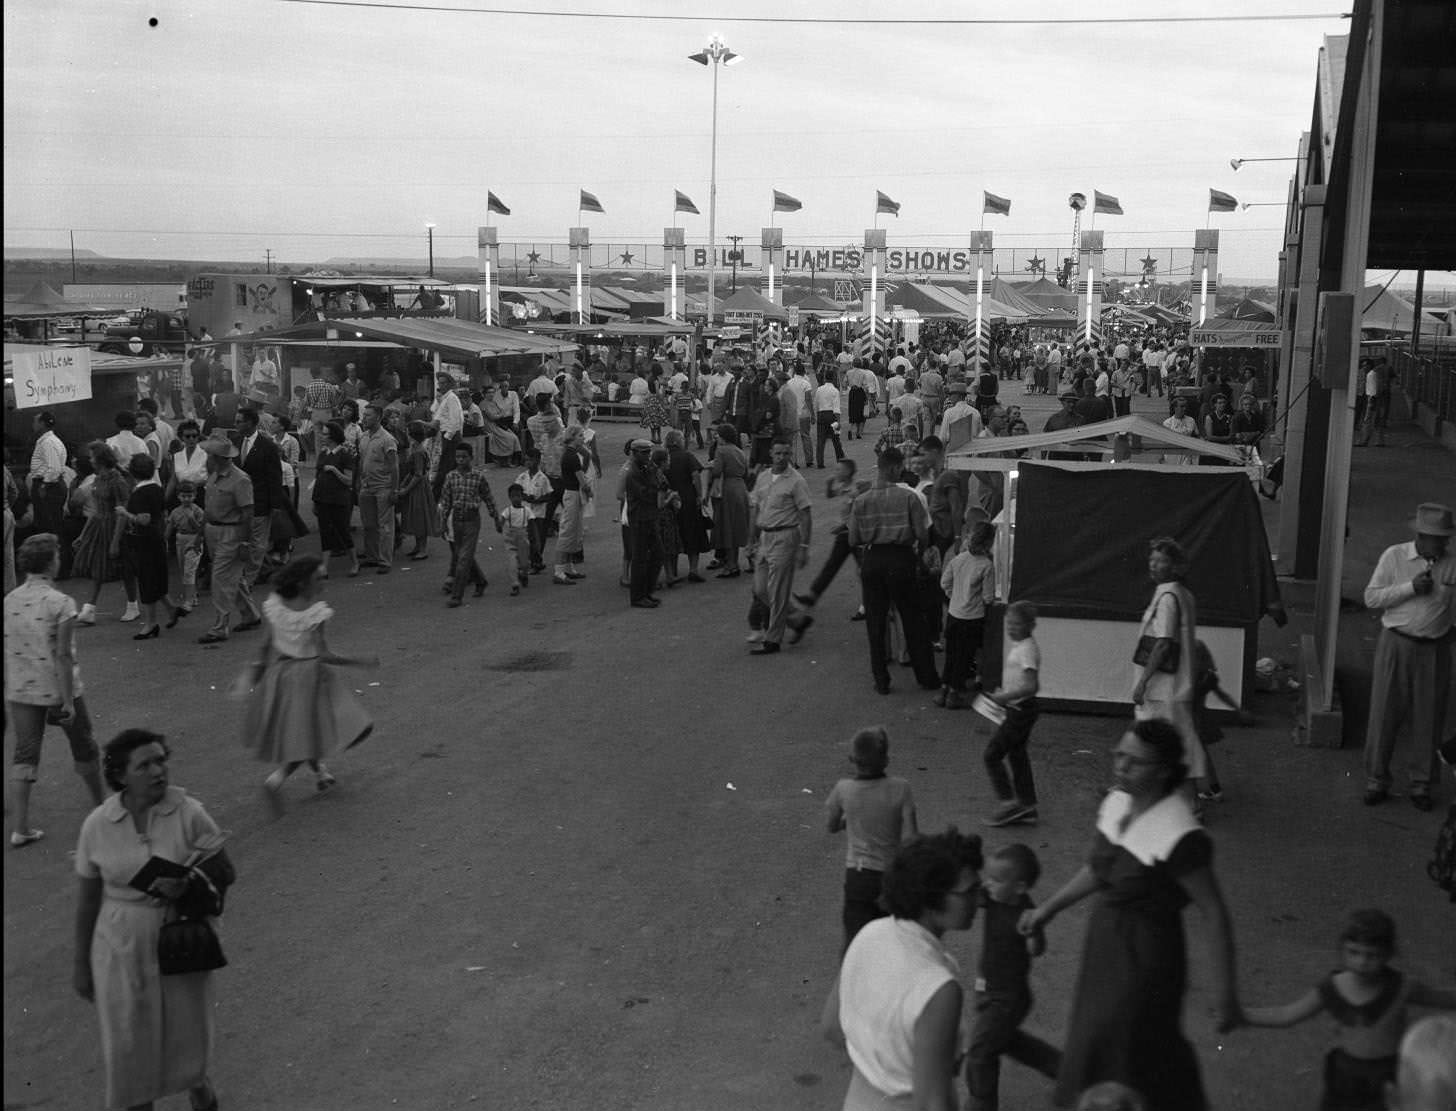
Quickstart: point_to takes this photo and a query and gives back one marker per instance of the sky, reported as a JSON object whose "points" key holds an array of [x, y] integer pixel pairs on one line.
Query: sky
{"points": [[313, 130]]}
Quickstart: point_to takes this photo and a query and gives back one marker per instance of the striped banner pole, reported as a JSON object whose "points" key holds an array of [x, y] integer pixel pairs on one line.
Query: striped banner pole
{"points": [[981, 248], [1089, 293], [772, 243], [489, 249], [1205, 265], [874, 303], [674, 249], [579, 240]]}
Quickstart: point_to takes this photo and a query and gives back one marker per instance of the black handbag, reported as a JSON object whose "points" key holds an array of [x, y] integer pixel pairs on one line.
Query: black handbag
{"points": [[1171, 657], [187, 942]]}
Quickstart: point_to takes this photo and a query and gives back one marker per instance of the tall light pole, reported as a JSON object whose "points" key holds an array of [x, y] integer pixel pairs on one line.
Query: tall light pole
{"points": [[430, 231], [712, 55]]}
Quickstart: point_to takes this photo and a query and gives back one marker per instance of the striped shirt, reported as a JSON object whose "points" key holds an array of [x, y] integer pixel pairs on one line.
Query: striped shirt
{"points": [[888, 513]]}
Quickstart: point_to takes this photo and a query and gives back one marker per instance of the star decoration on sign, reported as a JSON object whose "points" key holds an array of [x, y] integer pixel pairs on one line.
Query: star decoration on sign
{"points": [[626, 258], [533, 257], [1150, 265], [1036, 265]]}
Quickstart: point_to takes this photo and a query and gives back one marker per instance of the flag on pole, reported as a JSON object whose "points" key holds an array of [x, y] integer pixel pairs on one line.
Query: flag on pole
{"points": [[1104, 202], [785, 203], [589, 203], [495, 204], [684, 203], [996, 206], [1221, 202], [884, 204]]}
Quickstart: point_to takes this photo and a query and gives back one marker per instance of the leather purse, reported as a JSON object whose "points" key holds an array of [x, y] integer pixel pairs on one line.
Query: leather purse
{"points": [[187, 942], [1171, 657]]}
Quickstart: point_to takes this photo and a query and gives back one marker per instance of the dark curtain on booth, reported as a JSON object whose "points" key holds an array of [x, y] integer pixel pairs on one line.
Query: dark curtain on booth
{"points": [[1082, 542]]}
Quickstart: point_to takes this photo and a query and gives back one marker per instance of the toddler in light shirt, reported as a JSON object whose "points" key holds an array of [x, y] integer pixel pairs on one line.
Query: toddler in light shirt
{"points": [[515, 527]]}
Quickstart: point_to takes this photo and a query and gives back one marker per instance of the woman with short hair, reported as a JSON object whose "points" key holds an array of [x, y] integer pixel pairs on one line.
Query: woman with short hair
{"points": [[899, 997], [333, 497], [156, 1030], [1149, 859], [97, 550]]}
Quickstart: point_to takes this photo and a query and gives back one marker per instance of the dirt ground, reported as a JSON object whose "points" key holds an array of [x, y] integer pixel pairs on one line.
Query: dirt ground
{"points": [[581, 863]]}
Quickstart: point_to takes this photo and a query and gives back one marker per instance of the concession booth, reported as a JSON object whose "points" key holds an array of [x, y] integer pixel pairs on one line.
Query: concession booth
{"points": [[1072, 538]]}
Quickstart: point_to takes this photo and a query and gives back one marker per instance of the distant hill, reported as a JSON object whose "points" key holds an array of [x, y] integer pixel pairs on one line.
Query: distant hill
{"points": [[368, 265], [48, 252]]}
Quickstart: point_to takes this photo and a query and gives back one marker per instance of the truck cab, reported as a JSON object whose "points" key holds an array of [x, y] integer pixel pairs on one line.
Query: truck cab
{"points": [[147, 332]]}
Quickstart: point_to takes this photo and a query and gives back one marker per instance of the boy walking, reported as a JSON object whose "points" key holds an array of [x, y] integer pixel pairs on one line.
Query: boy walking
{"points": [[1003, 989], [969, 581], [536, 493], [1020, 680], [515, 523], [878, 812]]}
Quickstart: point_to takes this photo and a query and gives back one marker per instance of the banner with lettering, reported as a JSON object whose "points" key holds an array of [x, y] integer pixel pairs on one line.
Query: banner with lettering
{"points": [[53, 377]]}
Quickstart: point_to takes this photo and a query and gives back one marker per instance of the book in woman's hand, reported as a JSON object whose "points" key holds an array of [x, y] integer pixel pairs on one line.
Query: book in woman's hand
{"points": [[157, 868]]}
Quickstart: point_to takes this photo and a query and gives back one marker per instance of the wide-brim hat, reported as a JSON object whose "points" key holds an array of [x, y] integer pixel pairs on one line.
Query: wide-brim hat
{"points": [[1070, 395], [1434, 519], [218, 444]]}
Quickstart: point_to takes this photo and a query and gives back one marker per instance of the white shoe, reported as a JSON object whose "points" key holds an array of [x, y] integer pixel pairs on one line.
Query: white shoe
{"points": [[87, 616], [133, 611], [755, 637]]}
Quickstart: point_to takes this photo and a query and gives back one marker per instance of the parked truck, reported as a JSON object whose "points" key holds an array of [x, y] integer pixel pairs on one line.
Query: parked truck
{"points": [[146, 332]]}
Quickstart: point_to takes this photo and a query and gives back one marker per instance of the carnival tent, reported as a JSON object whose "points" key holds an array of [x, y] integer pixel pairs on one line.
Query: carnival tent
{"points": [[815, 305], [1048, 295], [1249, 309], [1072, 539], [939, 302], [41, 301], [748, 300], [1380, 309], [1007, 294]]}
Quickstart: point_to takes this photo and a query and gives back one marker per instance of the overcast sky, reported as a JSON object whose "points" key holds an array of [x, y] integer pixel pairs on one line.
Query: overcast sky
{"points": [[315, 131]]}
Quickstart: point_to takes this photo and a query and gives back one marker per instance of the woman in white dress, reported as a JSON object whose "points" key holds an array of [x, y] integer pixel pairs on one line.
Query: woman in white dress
{"points": [[300, 710]]}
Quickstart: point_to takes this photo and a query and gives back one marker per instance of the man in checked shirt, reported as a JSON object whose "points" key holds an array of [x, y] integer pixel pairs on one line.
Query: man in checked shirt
{"points": [[463, 493]]}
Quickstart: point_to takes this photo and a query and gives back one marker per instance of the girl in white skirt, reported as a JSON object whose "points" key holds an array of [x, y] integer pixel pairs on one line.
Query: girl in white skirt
{"points": [[299, 709]]}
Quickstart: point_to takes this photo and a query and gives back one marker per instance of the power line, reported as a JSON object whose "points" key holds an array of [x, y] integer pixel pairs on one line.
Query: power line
{"points": [[638, 17], [555, 237]]}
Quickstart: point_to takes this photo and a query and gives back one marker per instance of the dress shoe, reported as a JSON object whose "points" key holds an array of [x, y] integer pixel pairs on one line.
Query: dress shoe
{"points": [[148, 634], [1375, 795], [694, 577], [798, 626], [644, 604], [767, 648], [480, 588], [212, 636], [1421, 801]]}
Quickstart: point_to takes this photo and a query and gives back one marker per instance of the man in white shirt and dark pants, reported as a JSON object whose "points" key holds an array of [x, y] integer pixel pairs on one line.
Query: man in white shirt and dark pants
{"points": [[826, 413], [1414, 672]]}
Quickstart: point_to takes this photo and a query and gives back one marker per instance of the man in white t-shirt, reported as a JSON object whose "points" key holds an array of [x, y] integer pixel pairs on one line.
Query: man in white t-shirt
{"points": [[1374, 415], [826, 415]]}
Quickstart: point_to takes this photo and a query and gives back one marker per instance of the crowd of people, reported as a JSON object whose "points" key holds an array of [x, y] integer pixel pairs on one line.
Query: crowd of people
{"points": [[222, 506]]}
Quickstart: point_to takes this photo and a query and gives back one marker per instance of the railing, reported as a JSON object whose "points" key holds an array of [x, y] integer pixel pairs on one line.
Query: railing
{"points": [[1429, 380]]}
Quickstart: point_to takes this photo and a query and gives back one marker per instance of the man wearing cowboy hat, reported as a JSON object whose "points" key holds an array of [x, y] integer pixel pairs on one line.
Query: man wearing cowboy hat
{"points": [[961, 422], [229, 533], [1414, 585]]}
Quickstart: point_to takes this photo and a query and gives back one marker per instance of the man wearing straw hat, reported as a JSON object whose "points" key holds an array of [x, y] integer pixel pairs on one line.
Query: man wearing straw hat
{"points": [[229, 532], [1414, 672]]}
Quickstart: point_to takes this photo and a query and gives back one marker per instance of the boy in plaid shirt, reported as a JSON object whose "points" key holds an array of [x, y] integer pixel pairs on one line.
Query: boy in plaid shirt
{"points": [[462, 495]]}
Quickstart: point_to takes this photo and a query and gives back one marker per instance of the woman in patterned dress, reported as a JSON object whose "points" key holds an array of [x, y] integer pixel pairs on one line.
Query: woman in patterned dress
{"points": [[97, 552]]}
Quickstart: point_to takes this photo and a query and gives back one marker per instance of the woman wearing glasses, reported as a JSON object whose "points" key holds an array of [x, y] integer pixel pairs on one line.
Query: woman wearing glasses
{"points": [[898, 1009], [1148, 861]]}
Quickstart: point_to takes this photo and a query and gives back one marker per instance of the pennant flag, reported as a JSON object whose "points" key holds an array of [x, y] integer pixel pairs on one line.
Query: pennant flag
{"points": [[684, 203], [495, 204], [1221, 202], [996, 206], [785, 203], [589, 203], [884, 204], [1103, 202]]}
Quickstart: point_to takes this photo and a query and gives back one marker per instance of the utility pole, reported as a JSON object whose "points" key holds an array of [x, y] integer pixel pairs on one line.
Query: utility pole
{"points": [[73, 258], [733, 257], [268, 259]]}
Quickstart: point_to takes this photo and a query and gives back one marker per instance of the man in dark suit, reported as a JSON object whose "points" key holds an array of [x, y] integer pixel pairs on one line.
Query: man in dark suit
{"points": [[260, 461]]}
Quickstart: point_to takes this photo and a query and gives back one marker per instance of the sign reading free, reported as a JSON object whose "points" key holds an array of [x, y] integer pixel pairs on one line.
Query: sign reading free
{"points": [[53, 377]]}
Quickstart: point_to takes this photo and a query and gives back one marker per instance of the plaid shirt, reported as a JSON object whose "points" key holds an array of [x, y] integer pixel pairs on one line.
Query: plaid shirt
{"points": [[464, 491], [892, 436], [888, 513], [321, 394]]}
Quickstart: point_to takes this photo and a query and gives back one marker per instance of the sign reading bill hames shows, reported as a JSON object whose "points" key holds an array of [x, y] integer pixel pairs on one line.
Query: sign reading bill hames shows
{"points": [[52, 377]]}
